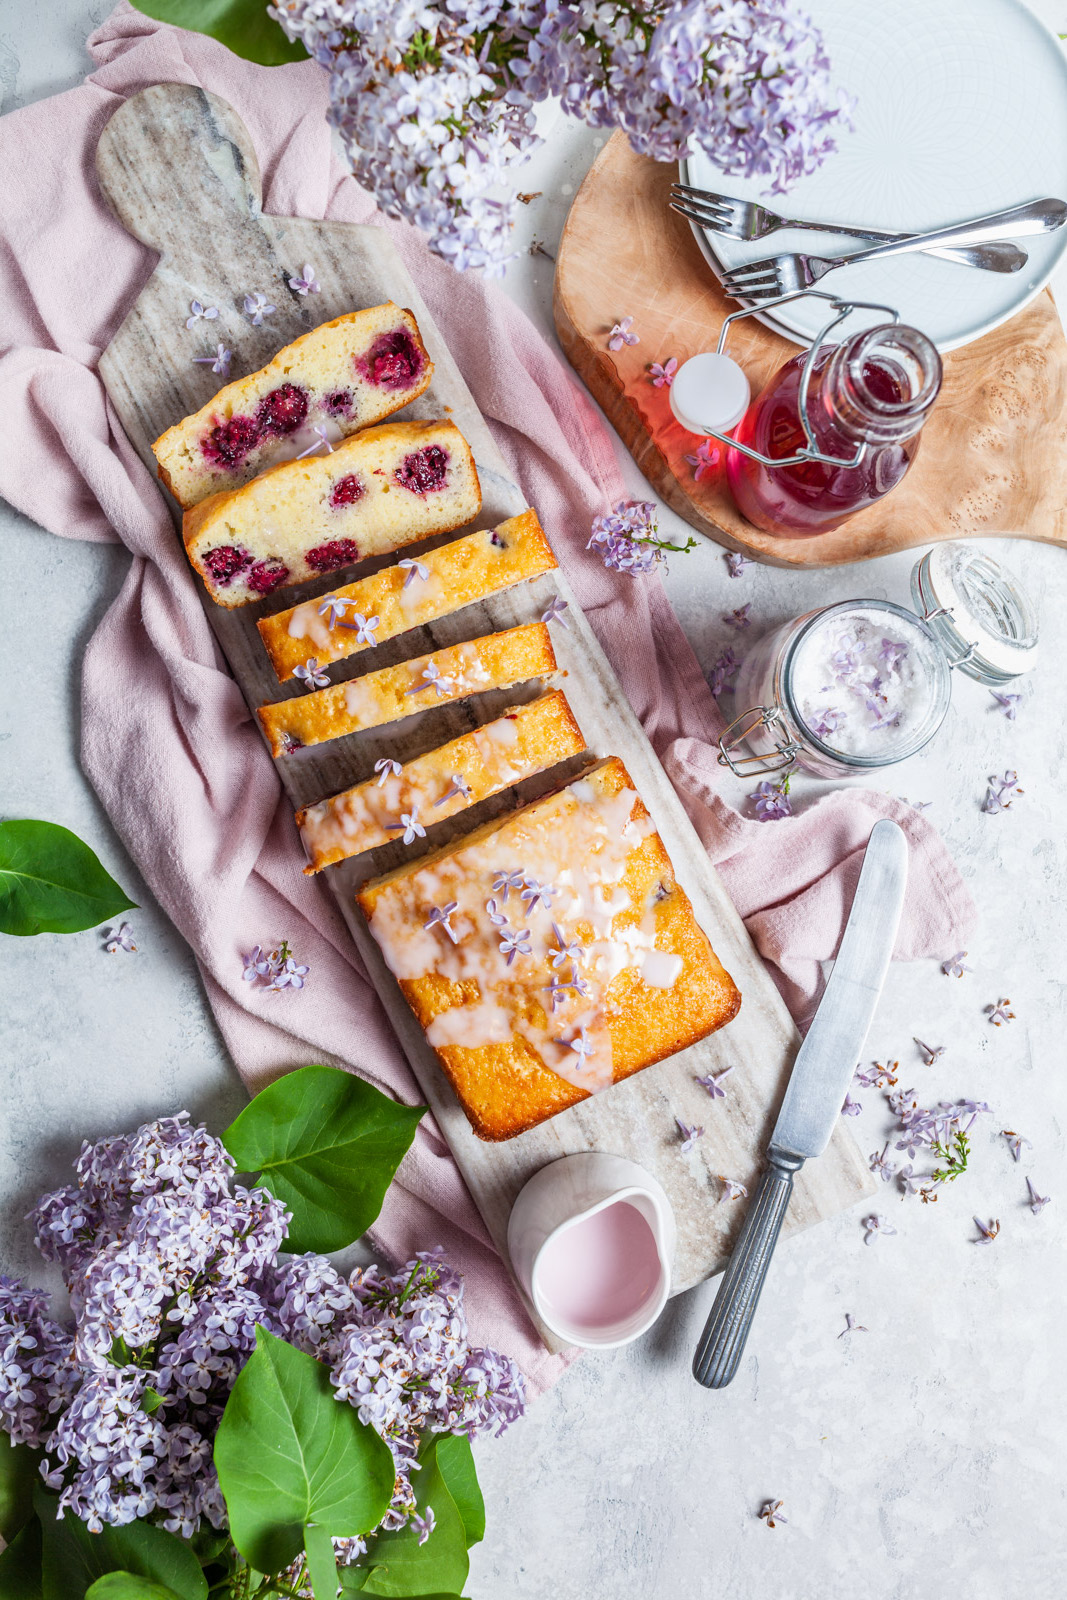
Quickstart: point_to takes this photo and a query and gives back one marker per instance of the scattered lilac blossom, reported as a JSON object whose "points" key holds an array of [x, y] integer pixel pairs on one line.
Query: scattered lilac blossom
{"points": [[277, 971], [771, 1512], [288, 976], [878, 1075], [306, 283], [712, 1082], [1000, 1013], [987, 1231], [954, 966], [1007, 703], [916, 805], [936, 1127], [333, 608], [440, 917], [874, 1225], [1015, 1142], [122, 939], [311, 675], [414, 569], [892, 654], [515, 943], [724, 672], [219, 362], [740, 618], [566, 949], [626, 539], [663, 375], [322, 439], [736, 562], [457, 787], [433, 678], [257, 306], [772, 800], [826, 721], [930, 1052], [851, 1108], [364, 628], [504, 882], [410, 825], [424, 1526], [582, 1047], [880, 1164], [910, 1181], [1037, 1202], [994, 801], [553, 612], [732, 1189], [387, 768], [201, 313], [538, 894], [852, 1326], [497, 917], [703, 461], [622, 333], [690, 1135]]}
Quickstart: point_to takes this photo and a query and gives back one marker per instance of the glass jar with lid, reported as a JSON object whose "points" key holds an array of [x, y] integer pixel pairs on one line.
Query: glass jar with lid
{"points": [[865, 683]]}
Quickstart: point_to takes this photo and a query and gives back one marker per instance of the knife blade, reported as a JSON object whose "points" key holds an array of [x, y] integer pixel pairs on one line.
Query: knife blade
{"points": [[817, 1087]]}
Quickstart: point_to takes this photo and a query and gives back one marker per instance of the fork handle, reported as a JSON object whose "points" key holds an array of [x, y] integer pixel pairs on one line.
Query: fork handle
{"points": [[992, 257], [1038, 216]]}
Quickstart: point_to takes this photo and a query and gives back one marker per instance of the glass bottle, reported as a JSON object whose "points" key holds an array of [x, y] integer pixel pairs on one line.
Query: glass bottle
{"points": [[867, 400]]}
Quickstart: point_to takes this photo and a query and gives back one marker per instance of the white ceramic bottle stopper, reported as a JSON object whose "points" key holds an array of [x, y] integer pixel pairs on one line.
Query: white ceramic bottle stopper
{"points": [[710, 393]]}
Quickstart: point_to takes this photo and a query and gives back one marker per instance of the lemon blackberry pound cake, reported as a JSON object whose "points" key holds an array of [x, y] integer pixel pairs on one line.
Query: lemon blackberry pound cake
{"points": [[499, 661], [340, 377], [403, 801], [379, 490], [550, 954], [407, 595]]}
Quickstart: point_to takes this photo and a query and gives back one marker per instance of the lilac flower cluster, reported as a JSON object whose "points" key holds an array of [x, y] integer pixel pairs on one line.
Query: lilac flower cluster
{"points": [[434, 99], [170, 1269], [625, 539]]}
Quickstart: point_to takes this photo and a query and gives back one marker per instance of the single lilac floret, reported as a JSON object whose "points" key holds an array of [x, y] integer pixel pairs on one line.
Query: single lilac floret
{"points": [[257, 306], [930, 1052], [690, 1135], [439, 917], [874, 1225], [288, 976], [566, 949], [433, 678], [736, 562], [994, 801], [704, 461], [771, 1512], [851, 1108], [712, 1082], [880, 1164], [663, 375], [553, 612], [333, 608], [120, 940], [1000, 1013], [772, 800], [457, 787], [515, 943], [496, 916], [409, 825], [504, 882], [219, 362], [307, 283], [387, 768], [740, 618], [582, 1047], [1037, 1202], [892, 654], [1015, 1142], [364, 628], [538, 894], [724, 672], [414, 569], [1007, 703], [200, 313], [732, 1189], [622, 333], [987, 1231], [311, 675], [954, 967]]}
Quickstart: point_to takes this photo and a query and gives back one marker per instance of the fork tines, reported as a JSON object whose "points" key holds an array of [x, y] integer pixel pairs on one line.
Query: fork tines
{"points": [[756, 280], [699, 205]]}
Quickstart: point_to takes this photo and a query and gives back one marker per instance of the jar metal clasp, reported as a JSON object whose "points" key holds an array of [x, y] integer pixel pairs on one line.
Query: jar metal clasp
{"points": [[783, 756]]}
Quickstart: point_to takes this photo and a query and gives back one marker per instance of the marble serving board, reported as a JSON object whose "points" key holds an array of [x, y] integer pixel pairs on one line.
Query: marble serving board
{"points": [[178, 168]]}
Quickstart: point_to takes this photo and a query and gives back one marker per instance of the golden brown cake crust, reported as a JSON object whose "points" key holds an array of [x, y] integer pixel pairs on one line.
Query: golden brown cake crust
{"points": [[505, 1083], [497, 661], [459, 573]]}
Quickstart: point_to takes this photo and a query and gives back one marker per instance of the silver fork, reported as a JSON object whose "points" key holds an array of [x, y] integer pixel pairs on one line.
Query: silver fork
{"points": [[789, 273], [744, 219]]}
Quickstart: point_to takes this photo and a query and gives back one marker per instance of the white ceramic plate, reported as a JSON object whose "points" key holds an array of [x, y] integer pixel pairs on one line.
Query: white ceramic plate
{"points": [[961, 109]]}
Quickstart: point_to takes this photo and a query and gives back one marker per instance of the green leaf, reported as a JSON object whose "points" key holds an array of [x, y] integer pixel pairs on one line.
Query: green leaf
{"points": [[20, 1565], [18, 1474], [128, 1586], [151, 1400], [288, 1454], [242, 25], [455, 1458], [322, 1565], [74, 1558], [400, 1565], [328, 1145], [50, 882]]}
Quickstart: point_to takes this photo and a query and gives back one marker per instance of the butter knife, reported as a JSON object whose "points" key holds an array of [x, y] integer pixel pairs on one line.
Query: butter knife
{"points": [[816, 1091]]}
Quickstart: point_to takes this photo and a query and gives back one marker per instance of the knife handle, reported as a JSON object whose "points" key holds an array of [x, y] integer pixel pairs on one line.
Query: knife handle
{"points": [[722, 1343]]}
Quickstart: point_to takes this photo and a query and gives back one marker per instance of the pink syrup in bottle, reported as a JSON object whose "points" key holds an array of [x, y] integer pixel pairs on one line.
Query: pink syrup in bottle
{"points": [[874, 389], [598, 1273]]}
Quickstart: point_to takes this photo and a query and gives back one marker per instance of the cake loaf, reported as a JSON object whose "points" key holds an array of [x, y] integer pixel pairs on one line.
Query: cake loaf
{"points": [[403, 801], [550, 954], [497, 661], [341, 376], [380, 489], [407, 595]]}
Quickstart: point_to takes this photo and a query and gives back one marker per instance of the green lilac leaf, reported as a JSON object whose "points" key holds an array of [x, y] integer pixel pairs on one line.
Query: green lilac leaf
{"points": [[321, 1563], [328, 1145], [18, 1475], [399, 1565], [287, 1453], [128, 1586], [20, 1565], [242, 25], [50, 882], [73, 1558], [455, 1459]]}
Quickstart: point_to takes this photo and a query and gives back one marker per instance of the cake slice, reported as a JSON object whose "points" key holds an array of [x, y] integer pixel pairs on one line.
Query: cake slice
{"points": [[550, 954], [341, 376], [403, 801], [498, 661], [404, 596], [381, 489]]}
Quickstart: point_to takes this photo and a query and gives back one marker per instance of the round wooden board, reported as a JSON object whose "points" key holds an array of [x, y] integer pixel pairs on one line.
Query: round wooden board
{"points": [[994, 452]]}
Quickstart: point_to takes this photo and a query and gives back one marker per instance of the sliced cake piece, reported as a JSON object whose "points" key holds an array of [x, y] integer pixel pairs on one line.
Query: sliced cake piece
{"points": [[339, 377], [363, 613], [497, 661], [383, 488], [403, 801], [550, 954]]}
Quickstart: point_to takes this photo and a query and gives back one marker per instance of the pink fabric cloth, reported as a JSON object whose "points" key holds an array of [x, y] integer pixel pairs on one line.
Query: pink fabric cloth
{"points": [[167, 740]]}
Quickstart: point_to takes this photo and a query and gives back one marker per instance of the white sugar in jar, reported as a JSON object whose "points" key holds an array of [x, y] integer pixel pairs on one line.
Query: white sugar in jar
{"points": [[866, 683]]}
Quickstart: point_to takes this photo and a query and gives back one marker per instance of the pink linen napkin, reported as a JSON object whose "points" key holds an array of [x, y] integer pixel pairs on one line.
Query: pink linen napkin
{"points": [[167, 740]]}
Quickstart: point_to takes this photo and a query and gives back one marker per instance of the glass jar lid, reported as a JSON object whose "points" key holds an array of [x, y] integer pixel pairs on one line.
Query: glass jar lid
{"points": [[979, 612]]}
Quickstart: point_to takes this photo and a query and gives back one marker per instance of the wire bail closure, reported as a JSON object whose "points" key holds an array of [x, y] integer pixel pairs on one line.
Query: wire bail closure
{"points": [[783, 757], [809, 452]]}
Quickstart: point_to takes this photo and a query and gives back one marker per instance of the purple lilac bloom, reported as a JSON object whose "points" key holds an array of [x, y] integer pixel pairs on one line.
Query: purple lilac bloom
{"points": [[566, 949], [1037, 1202], [772, 800], [712, 1082], [321, 439], [120, 939], [626, 539], [515, 943], [311, 675], [622, 333], [257, 306], [219, 362], [736, 562], [851, 1108], [457, 787], [954, 967], [333, 608], [414, 569], [930, 1052], [740, 618], [363, 627], [732, 1189], [994, 801], [306, 283], [554, 612], [1007, 703], [880, 1164], [200, 312], [504, 882], [690, 1135], [538, 894], [387, 768], [433, 677], [704, 460], [409, 825], [663, 375], [440, 916], [892, 654], [987, 1231], [1000, 1013], [874, 1225], [771, 1512], [1015, 1142], [724, 672], [826, 721]]}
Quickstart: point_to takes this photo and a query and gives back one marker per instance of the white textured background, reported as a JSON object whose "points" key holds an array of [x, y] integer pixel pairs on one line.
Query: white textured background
{"points": [[924, 1455]]}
